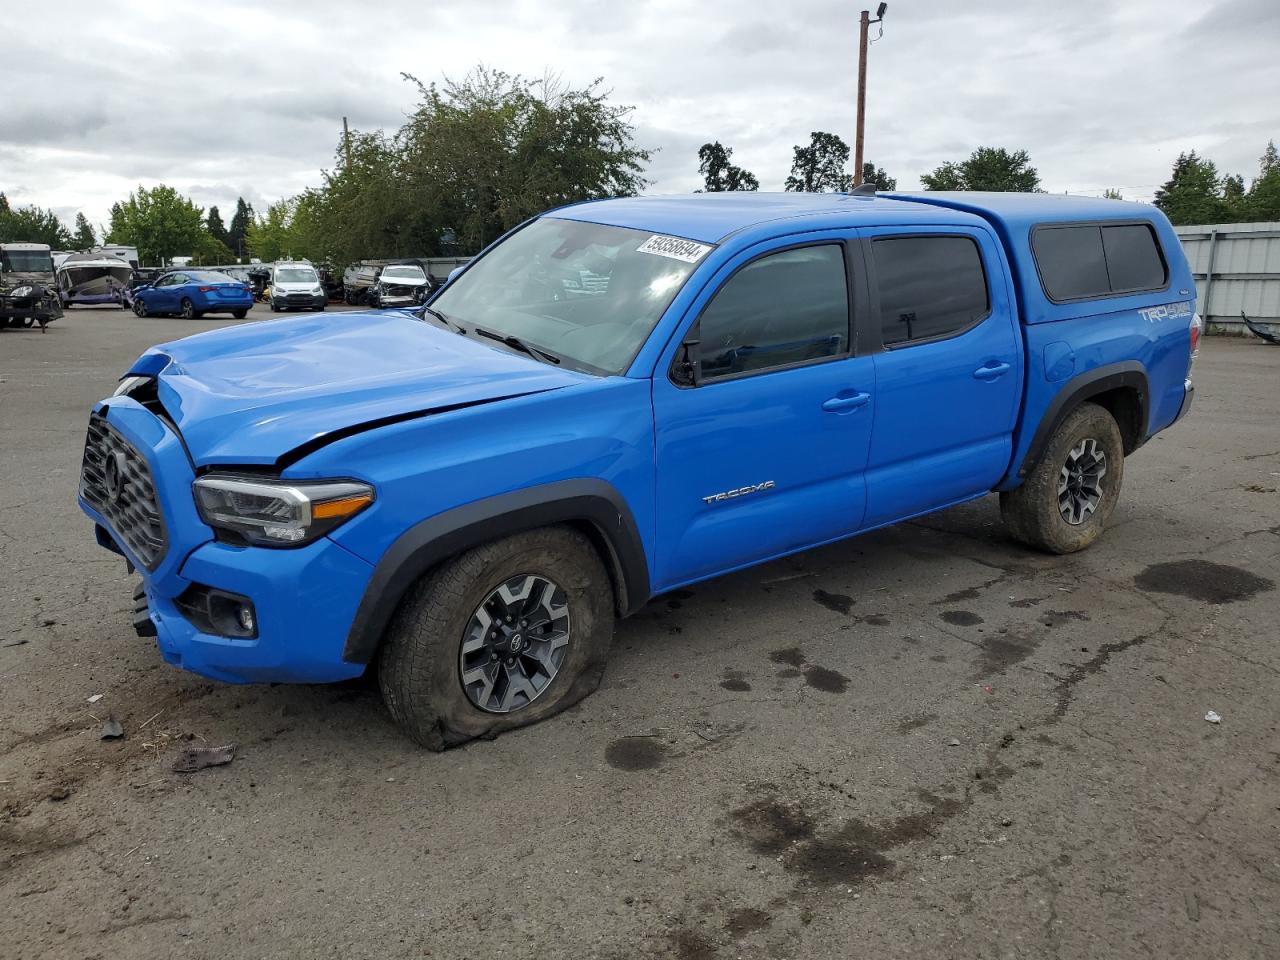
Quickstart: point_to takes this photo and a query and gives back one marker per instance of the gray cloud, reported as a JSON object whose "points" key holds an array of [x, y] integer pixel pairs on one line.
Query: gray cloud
{"points": [[239, 98]]}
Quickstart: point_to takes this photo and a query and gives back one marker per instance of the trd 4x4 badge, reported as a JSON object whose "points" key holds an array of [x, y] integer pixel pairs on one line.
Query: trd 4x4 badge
{"points": [[740, 492]]}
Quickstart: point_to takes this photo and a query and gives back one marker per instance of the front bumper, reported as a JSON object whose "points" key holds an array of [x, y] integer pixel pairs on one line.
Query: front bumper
{"points": [[301, 300], [305, 598]]}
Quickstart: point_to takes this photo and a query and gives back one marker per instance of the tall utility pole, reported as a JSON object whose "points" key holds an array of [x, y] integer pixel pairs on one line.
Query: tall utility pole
{"points": [[864, 25], [346, 141]]}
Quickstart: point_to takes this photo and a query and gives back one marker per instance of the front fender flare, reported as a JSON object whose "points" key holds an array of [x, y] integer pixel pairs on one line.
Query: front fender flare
{"points": [[423, 546]]}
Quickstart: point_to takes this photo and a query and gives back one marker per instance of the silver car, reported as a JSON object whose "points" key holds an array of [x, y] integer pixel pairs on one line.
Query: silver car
{"points": [[400, 285]]}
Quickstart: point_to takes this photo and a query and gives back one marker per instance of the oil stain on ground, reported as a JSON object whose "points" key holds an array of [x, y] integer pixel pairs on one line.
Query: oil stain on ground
{"points": [[834, 601], [828, 681], [745, 921], [1202, 580], [1000, 652], [689, 944], [635, 753], [791, 656], [736, 681], [962, 618]]}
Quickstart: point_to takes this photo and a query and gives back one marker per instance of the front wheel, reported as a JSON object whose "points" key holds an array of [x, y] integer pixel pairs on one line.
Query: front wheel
{"points": [[139, 307], [1066, 500], [507, 634]]}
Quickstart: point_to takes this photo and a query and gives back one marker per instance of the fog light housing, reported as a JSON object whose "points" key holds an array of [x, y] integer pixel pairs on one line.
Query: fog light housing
{"points": [[218, 612]]}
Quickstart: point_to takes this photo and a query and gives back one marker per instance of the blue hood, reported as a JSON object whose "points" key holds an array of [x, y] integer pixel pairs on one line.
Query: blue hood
{"points": [[253, 393]]}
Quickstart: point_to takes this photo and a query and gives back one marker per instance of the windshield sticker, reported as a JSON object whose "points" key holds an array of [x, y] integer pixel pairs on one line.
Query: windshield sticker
{"points": [[674, 248]]}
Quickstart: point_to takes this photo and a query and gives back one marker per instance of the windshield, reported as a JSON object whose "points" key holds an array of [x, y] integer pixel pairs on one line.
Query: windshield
{"points": [[27, 261], [584, 291], [296, 275], [210, 276], [404, 273]]}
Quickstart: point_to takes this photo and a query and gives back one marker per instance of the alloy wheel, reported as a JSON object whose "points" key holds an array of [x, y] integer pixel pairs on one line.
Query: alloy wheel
{"points": [[1080, 481], [514, 643]]}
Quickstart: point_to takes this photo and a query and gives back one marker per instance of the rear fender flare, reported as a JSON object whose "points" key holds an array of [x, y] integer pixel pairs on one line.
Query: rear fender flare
{"points": [[1129, 373], [590, 502]]}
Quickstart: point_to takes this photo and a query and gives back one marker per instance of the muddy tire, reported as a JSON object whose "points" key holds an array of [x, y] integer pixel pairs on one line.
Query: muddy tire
{"points": [[456, 663], [1065, 502]]}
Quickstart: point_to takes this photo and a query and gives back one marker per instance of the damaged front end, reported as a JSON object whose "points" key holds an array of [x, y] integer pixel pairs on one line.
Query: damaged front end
{"points": [[26, 302]]}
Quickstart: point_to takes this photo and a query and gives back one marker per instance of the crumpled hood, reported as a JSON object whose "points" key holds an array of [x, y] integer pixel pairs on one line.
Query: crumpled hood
{"points": [[251, 394]]}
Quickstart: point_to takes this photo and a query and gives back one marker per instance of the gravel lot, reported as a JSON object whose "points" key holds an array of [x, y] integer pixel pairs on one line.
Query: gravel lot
{"points": [[924, 742]]}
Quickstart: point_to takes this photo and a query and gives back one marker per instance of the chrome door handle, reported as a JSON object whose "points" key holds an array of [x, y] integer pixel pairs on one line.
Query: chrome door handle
{"points": [[845, 404], [991, 371]]}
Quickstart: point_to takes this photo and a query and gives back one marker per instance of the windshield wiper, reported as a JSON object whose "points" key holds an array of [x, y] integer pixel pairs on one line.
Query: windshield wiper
{"points": [[515, 342], [445, 320]]}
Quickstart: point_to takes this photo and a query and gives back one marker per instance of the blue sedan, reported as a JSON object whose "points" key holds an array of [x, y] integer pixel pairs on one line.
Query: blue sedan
{"points": [[193, 293]]}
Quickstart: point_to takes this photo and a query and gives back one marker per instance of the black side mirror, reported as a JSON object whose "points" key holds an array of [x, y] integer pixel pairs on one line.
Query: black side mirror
{"points": [[687, 370]]}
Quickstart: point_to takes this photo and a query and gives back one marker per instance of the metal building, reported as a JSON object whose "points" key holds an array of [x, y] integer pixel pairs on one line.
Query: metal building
{"points": [[1237, 268]]}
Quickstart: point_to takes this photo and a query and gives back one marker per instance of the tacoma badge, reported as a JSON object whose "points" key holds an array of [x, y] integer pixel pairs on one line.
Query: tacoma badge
{"points": [[740, 492]]}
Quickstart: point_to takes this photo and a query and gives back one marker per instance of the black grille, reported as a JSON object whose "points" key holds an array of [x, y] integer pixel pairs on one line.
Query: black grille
{"points": [[116, 481]]}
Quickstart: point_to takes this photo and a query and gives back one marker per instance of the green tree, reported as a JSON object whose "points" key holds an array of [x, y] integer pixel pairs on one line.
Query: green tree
{"points": [[83, 238], [1112, 193], [32, 224], [269, 236], [1263, 199], [819, 167], [162, 224], [217, 229], [483, 154], [1193, 193], [987, 168], [239, 228], [879, 176], [718, 174]]}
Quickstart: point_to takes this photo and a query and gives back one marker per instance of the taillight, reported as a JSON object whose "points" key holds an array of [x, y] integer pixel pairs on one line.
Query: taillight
{"points": [[1197, 328], [206, 289]]}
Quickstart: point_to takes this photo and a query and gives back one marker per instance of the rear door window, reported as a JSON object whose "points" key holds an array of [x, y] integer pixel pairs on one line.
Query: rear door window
{"points": [[1081, 262], [930, 287]]}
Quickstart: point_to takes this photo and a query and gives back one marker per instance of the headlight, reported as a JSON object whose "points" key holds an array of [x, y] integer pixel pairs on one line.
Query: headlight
{"points": [[128, 384], [318, 291], [275, 513], [20, 292]]}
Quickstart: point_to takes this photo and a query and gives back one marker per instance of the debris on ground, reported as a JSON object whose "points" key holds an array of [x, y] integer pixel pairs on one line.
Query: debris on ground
{"points": [[13, 643], [58, 794], [191, 759], [1213, 717], [111, 730], [953, 742], [95, 698]]}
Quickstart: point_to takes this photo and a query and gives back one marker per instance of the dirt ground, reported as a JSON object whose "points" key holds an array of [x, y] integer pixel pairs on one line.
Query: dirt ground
{"points": [[925, 742]]}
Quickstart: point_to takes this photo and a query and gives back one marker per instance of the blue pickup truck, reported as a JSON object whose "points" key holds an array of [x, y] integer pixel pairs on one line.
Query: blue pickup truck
{"points": [[616, 399]]}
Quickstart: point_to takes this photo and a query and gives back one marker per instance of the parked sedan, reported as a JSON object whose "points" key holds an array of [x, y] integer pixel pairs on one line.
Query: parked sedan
{"points": [[193, 293]]}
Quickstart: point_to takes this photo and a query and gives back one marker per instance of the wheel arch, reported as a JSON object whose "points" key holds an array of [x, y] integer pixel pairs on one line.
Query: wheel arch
{"points": [[591, 506], [1121, 388]]}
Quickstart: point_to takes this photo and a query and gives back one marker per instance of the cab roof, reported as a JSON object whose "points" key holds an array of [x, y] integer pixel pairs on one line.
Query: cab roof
{"points": [[711, 217]]}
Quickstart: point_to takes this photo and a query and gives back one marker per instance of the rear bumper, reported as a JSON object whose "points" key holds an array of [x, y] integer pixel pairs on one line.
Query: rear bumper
{"points": [[305, 598], [1188, 396], [222, 306]]}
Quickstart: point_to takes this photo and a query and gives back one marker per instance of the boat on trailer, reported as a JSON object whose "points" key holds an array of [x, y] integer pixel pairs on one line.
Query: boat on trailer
{"points": [[93, 278]]}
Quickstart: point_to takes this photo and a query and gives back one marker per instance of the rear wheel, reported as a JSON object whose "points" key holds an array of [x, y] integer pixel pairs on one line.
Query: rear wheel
{"points": [[189, 311], [1066, 500], [507, 634], [239, 314]]}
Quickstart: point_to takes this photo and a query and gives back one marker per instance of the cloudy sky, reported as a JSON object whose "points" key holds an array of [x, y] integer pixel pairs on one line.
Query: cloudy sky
{"points": [[230, 98]]}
